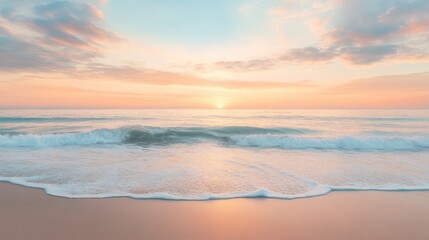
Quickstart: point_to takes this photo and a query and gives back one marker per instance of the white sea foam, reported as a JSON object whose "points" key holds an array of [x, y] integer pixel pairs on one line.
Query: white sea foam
{"points": [[284, 138], [345, 142], [64, 191], [63, 139]]}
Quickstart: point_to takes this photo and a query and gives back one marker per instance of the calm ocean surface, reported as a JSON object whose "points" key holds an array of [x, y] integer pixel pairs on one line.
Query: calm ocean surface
{"points": [[211, 154]]}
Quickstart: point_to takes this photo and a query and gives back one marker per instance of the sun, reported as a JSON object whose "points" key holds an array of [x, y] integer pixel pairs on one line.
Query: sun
{"points": [[219, 105]]}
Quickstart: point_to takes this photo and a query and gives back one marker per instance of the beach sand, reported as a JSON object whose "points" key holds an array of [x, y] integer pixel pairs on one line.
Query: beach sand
{"points": [[27, 213]]}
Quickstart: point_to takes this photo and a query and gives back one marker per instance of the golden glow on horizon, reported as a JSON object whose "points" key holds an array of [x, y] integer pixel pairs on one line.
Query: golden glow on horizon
{"points": [[386, 91], [220, 105]]}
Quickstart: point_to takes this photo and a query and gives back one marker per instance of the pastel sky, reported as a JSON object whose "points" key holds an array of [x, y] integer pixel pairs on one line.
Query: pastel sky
{"points": [[219, 53]]}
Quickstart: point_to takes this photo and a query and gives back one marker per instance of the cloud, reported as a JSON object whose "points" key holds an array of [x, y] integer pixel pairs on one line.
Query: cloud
{"points": [[308, 54], [24, 94], [410, 83], [294, 55], [361, 32], [15, 53], [165, 78], [50, 36], [394, 91], [369, 22], [368, 54], [70, 24], [370, 31], [254, 65]]}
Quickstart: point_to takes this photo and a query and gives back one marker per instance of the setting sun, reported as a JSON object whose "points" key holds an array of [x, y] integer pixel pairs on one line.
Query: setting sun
{"points": [[218, 102]]}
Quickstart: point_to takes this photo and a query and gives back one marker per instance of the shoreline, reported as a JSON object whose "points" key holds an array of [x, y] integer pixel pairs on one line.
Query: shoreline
{"points": [[30, 213], [257, 194]]}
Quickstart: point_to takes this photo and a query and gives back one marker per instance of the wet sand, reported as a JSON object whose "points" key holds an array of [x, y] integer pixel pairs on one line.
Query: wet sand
{"points": [[27, 213]]}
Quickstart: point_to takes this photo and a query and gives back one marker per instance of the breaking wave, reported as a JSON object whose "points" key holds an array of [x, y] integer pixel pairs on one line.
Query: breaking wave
{"points": [[47, 119], [238, 136], [341, 143]]}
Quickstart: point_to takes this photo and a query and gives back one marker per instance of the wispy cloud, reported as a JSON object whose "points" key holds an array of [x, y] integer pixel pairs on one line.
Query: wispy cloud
{"points": [[41, 95], [165, 78], [308, 54], [360, 32], [253, 65], [410, 83], [370, 31], [49, 36], [392, 91]]}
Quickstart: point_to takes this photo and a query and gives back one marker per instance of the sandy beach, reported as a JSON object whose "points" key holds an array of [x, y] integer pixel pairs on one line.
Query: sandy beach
{"points": [[28, 213]]}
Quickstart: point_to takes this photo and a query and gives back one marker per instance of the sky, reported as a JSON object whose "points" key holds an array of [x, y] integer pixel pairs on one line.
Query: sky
{"points": [[214, 54]]}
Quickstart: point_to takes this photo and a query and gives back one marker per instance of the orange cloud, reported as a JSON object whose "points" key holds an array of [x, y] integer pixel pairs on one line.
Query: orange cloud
{"points": [[30, 95], [163, 78]]}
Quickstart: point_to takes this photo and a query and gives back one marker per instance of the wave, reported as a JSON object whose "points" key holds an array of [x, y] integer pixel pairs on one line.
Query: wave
{"points": [[47, 119], [234, 136], [329, 118], [340, 143], [138, 135], [290, 117], [62, 139], [372, 119]]}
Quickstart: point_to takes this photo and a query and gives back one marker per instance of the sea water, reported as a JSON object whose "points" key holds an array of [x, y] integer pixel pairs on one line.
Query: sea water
{"points": [[214, 154]]}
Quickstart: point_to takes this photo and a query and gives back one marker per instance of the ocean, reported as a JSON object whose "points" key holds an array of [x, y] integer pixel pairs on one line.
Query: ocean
{"points": [[214, 154]]}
